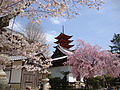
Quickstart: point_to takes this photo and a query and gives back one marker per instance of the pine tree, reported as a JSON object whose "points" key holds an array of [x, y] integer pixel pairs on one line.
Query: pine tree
{"points": [[115, 48]]}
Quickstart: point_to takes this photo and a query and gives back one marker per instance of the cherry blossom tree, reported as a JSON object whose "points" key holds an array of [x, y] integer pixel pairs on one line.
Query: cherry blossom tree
{"points": [[16, 44], [37, 61], [90, 61], [4, 60], [35, 33], [37, 9]]}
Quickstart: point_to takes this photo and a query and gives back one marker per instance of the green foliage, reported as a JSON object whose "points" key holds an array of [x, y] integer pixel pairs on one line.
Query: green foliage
{"points": [[64, 80], [115, 48], [58, 83], [55, 82], [101, 82], [65, 73], [95, 82], [109, 80]]}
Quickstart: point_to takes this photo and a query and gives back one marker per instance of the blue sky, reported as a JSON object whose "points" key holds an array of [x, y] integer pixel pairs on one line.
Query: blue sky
{"points": [[92, 26]]}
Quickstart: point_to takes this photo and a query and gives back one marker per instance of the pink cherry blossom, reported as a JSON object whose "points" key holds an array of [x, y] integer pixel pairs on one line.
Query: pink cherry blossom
{"points": [[90, 61], [37, 8], [16, 44]]}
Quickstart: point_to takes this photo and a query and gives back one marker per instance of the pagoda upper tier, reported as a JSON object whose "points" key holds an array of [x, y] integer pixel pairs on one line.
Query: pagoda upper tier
{"points": [[63, 40], [66, 45], [62, 35]]}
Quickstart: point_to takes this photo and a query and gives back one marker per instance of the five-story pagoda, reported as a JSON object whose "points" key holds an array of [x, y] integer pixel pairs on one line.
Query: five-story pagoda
{"points": [[61, 48]]}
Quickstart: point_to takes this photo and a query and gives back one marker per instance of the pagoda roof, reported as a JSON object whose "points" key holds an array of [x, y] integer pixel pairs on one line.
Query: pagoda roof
{"points": [[59, 58], [62, 35], [66, 45], [63, 41], [64, 50], [58, 61]]}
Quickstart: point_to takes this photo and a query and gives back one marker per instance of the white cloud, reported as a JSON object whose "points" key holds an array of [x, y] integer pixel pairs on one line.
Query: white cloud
{"points": [[50, 36], [57, 20]]}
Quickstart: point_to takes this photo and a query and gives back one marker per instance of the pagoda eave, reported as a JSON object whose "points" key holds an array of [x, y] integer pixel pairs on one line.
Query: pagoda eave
{"points": [[64, 36], [62, 40], [66, 46]]}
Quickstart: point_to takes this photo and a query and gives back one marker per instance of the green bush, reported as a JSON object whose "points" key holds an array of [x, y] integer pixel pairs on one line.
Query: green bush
{"points": [[95, 82], [101, 81], [55, 82]]}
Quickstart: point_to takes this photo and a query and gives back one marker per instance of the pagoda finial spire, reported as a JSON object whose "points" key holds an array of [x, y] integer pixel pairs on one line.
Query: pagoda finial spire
{"points": [[63, 29]]}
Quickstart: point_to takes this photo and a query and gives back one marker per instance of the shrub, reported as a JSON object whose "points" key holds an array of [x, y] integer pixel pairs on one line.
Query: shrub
{"points": [[55, 82], [95, 82]]}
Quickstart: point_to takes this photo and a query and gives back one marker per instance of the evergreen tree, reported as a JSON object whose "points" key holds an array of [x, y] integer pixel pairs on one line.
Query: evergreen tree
{"points": [[115, 48]]}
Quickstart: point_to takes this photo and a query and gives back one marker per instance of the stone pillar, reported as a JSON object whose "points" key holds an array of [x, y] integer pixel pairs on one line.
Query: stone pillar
{"points": [[3, 80], [45, 84]]}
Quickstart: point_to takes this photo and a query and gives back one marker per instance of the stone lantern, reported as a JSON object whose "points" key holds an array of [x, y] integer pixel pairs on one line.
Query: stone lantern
{"points": [[45, 84], [45, 80], [3, 80]]}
